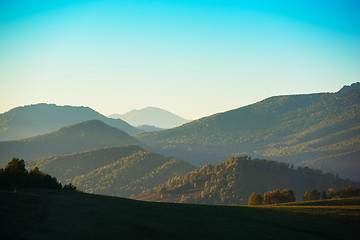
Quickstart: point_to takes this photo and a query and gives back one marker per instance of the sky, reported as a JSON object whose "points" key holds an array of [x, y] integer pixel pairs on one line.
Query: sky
{"points": [[193, 58]]}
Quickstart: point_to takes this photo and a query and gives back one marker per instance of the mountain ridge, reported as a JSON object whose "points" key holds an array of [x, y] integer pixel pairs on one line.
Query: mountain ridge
{"points": [[31, 120], [151, 116], [292, 128], [66, 140]]}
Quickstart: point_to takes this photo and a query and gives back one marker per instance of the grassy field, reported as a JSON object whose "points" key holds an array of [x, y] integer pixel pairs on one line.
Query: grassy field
{"points": [[72, 215]]}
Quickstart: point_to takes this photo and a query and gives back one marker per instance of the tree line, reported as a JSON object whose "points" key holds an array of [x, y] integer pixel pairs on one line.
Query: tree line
{"points": [[287, 195], [272, 197], [347, 192], [15, 177]]}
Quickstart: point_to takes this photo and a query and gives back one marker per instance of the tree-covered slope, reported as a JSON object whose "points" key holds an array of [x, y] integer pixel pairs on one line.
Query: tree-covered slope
{"points": [[233, 181], [70, 139], [118, 171], [31, 120], [320, 130], [151, 116]]}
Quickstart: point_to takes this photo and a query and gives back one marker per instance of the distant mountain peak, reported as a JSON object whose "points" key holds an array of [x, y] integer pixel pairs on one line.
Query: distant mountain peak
{"points": [[352, 87], [154, 116]]}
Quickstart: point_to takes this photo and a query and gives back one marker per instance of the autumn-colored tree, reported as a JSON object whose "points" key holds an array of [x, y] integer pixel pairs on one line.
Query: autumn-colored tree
{"points": [[255, 199], [306, 196], [272, 197], [267, 197], [312, 195], [287, 195]]}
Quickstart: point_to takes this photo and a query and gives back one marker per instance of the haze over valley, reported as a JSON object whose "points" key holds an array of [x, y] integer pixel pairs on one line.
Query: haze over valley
{"points": [[213, 119]]}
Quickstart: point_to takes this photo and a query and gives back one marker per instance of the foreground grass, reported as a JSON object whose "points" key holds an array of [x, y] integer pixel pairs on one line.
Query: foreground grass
{"points": [[72, 215]]}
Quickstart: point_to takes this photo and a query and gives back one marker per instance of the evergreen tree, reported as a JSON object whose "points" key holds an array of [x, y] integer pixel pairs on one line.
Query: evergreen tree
{"points": [[323, 195], [17, 174], [314, 194], [332, 192], [349, 192]]}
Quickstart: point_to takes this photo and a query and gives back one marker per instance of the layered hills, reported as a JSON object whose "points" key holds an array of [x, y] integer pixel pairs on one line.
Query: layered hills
{"points": [[70, 139], [151, 116], [233, 181], [317, 130], [31, 120], [118, 171]]}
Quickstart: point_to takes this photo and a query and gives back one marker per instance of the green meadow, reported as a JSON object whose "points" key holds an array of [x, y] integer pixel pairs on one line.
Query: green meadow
{"points": [[51, 214]]}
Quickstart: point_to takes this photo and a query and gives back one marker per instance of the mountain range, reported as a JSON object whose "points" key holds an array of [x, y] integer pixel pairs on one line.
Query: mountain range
{"points": [[317, 130], [151, 116], [70, 139], [124, 171], [32, 120]]}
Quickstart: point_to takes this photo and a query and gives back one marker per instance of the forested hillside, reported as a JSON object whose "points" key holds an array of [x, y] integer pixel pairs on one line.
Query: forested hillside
{"points": [[317, 130], [117, 171], [32, 120], [70, 139], [233, 181]]}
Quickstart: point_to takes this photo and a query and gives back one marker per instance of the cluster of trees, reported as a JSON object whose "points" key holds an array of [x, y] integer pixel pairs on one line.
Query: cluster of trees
{"points": [[272, 197], [312, 195], [287, 195], [15, 177], [233, 181], [347, 192]]}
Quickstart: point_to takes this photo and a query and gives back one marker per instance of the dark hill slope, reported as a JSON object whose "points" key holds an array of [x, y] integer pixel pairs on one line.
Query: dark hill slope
{"points": [[72, 215], [31, 120], [322, 130], [119, 171], [70, 139], [233, 181]]}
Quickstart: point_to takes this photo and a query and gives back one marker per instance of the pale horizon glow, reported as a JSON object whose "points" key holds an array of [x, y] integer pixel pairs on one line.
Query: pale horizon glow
{"points": [[192, 58]]}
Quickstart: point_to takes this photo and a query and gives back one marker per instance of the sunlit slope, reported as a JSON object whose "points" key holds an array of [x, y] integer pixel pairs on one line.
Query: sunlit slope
{"points": [[233, 181], [319, 130], [70, 139], [119, 171], [58, 215], [31, 120]]}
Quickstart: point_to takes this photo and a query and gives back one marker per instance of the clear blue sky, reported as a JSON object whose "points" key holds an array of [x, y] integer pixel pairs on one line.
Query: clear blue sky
{"points": [[193, 58]]}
